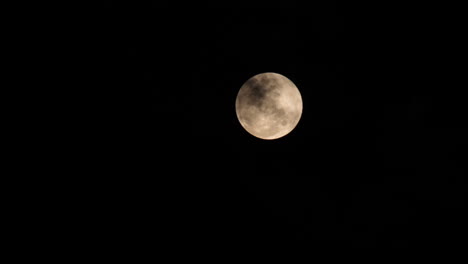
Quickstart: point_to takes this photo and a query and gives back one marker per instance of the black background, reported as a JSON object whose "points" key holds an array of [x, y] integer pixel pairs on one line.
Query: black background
{"points": [[377, 159]]}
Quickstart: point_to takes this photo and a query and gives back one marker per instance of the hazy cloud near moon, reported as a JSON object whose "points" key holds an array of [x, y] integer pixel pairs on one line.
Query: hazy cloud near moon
{"points": [[269, 105]]}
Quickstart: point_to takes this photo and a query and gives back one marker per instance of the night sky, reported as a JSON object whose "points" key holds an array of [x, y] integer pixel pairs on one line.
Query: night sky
{"points": [[377, 159]]}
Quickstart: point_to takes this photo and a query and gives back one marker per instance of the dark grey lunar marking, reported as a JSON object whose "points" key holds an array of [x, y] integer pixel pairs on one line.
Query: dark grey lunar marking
{"points": [[260, 89], [257, 92], [278, 112]]}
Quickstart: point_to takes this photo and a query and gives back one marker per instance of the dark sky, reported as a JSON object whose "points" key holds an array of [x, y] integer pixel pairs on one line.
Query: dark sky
{"points": [[377, 159]]}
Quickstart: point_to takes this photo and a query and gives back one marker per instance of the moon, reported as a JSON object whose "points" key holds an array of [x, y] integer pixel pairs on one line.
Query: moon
{"points": [[269, 106]]}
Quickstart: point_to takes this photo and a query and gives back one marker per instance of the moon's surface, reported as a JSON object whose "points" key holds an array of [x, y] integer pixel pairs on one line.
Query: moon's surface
{"points": [[269, 105]]}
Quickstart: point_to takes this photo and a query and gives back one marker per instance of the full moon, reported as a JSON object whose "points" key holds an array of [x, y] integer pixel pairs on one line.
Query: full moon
{"points": [[269, 105]]}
